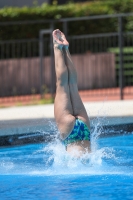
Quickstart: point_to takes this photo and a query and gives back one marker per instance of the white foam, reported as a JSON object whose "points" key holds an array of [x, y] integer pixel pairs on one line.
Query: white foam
{"points": [[56, 160]]}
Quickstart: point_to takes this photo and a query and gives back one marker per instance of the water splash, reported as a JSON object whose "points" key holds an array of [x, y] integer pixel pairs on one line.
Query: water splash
{"points": [[60, 162], [52, 158]]}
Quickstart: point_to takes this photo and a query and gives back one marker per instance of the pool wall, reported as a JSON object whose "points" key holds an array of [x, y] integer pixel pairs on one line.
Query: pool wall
{"points": [[31, 124], [19, 132]]}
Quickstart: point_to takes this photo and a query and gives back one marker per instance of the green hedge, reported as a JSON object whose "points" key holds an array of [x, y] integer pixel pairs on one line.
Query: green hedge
{"points": [[62, 11]]}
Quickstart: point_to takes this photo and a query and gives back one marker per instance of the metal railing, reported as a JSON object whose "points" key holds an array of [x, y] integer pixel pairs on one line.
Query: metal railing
{"points": [[20, 64]]}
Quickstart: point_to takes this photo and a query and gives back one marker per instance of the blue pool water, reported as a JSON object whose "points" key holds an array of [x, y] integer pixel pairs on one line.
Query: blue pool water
{"points": [[46, 171]]}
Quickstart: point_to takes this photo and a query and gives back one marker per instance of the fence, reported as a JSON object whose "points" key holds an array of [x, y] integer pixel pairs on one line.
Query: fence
{"points": [[104, 63], [99, 69]]}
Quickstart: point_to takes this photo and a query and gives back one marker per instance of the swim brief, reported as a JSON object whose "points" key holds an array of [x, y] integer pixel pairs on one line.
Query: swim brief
{"points": [[80, 132]]}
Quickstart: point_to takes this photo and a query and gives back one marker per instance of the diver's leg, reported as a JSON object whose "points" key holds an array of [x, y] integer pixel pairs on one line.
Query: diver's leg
{"points": [[62, 106], [77, 104]]}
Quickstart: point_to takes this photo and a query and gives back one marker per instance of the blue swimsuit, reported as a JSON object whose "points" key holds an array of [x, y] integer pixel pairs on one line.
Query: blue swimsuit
{"points": [[80, 132]]}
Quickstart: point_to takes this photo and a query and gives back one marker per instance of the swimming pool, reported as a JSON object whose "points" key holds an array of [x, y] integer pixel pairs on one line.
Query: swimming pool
{"points": [[46, 171]]}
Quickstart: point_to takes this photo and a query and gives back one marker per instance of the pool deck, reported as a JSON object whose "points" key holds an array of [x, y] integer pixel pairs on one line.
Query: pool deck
{"points": [[29, 119]]}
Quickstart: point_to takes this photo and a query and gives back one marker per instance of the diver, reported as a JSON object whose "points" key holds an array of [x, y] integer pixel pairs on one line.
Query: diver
{"points": [[70, 114]]}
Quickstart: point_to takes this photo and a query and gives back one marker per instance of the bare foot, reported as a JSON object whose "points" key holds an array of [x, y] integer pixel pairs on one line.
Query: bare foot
{"points": [[64, 41], [59, 39]]}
